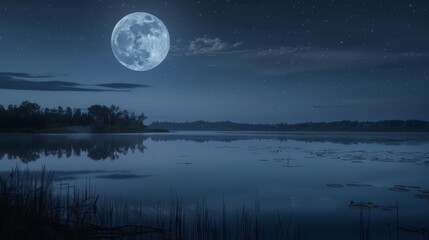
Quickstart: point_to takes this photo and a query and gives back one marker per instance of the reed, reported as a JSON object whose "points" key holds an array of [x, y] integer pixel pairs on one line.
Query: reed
{"points": [[31, 207]]}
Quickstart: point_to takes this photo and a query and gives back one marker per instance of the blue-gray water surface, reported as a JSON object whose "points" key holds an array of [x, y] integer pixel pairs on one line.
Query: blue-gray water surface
{"points": [[313, 177]]}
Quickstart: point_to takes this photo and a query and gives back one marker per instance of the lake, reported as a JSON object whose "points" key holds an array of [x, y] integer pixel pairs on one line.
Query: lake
{"points": [[320, 182]]}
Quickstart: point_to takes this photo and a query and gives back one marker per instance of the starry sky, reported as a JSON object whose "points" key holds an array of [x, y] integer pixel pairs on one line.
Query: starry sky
{"points": [[244, 61]]}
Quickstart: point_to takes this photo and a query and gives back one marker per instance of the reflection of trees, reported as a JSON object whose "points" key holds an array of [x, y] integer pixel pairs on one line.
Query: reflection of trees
{"points": [[97, 147], [111, 146]]}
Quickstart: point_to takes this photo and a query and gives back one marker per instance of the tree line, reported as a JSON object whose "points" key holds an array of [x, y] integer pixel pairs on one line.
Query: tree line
{"points": [[29, 115], [341, 126]]}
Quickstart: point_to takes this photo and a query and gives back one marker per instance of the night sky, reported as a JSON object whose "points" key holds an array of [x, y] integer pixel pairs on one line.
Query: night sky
{"points": [[243, 61]]}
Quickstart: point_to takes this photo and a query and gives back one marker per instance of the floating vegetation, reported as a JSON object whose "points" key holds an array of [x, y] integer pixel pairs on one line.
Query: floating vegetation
{"points": [[226, 147], [403, 188], [361, 156], [362, 205], [184, 163], [424, 191], [369, 205], [399, 189], [352, 158], [288, 165], [353, 185], [386, 160], [422, 196], [337, 185]]}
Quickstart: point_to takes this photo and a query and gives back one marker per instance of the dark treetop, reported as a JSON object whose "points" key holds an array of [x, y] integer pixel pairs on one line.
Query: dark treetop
{"points": [[30, 117]]}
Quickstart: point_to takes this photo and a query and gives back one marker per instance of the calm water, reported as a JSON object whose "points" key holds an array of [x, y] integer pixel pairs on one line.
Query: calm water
{"points": [[312, 176]]}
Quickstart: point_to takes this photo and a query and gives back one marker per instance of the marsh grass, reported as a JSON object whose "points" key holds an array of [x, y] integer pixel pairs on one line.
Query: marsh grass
{"points": [[31, 207], [24, 201]]}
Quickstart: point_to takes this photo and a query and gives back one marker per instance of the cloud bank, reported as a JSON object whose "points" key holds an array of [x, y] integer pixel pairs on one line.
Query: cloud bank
{"points": [[26, 81]]}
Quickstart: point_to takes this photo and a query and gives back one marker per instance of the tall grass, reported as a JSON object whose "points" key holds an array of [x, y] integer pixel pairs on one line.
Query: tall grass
{"points": [[31, 207], [24, 204]]}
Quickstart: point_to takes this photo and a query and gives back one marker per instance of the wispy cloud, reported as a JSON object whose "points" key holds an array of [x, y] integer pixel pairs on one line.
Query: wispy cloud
{"points": [[206, 46], [287, 60], [25, 81], [292, 59]]}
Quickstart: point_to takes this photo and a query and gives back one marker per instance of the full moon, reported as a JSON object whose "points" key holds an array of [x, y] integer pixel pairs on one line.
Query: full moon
{"points": [[140, 41]]}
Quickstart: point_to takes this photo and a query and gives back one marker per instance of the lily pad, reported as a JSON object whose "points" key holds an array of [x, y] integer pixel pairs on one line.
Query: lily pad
{"points": [[353, 185], [362, 205], [399, 189], [422, 196]]}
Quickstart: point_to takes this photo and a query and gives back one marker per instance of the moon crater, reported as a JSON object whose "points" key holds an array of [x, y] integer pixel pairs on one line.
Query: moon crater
{"points": [[140, 41]]}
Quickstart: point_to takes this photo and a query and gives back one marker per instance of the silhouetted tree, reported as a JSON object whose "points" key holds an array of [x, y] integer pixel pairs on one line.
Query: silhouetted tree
{"points": [[31, 116]]}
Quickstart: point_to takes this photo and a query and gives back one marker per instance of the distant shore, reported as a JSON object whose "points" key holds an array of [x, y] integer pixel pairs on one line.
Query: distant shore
{"points": [[337, 126]]}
